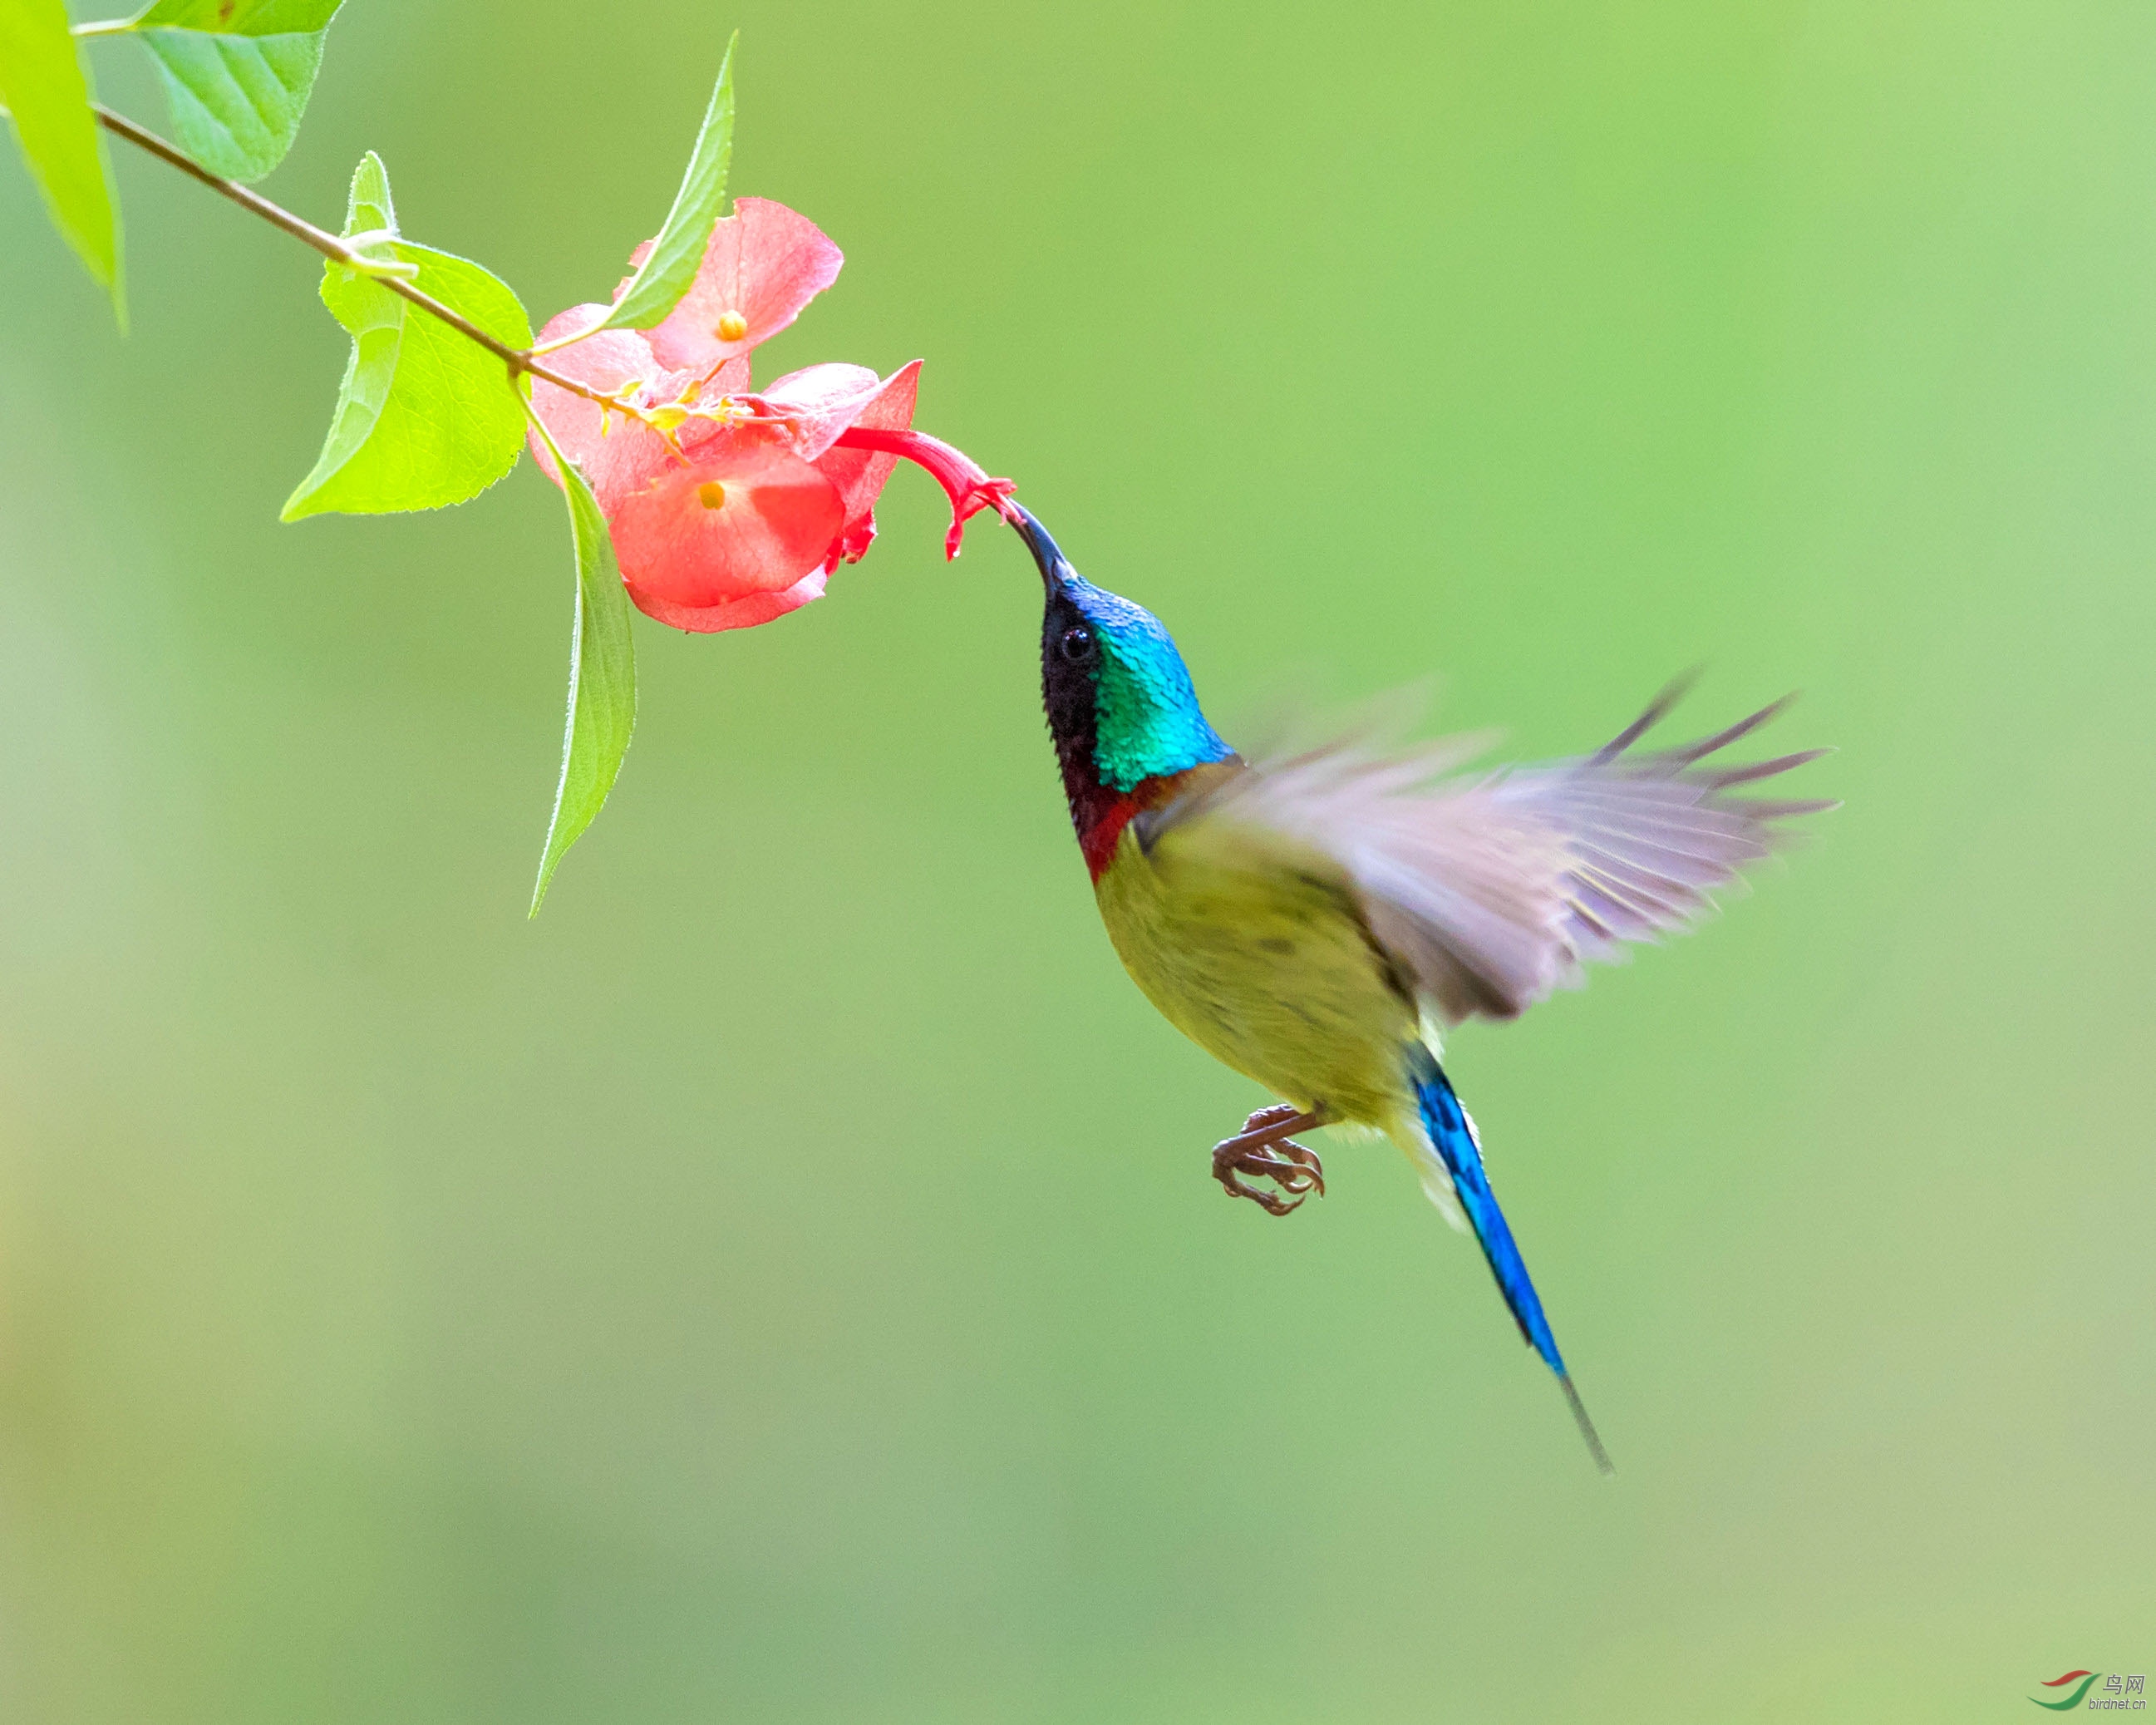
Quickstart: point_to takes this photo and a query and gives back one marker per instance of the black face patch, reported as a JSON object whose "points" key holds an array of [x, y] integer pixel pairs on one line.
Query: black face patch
{"points": [[1070, 674], [1069, 665]]}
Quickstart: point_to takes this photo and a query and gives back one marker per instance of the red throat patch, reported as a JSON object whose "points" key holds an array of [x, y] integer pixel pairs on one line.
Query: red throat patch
{"points": [[1099, 840]]}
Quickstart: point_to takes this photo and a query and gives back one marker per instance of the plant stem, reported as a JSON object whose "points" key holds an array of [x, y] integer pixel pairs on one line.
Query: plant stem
{"points": [[331, 246]]}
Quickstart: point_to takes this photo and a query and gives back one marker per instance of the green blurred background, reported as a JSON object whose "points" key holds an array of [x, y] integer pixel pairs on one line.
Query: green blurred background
{"points": [[783, 1284]]}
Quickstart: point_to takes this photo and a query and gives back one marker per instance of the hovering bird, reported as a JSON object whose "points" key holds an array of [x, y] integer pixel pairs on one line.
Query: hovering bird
{"points": [[1316, 921]]}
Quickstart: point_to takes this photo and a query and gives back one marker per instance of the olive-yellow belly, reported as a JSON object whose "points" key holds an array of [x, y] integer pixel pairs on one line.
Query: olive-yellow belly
{"points": [[1255, 948]]}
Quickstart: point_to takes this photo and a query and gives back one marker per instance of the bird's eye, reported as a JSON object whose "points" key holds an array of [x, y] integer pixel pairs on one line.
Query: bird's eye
{"points": [[1076, 645]]}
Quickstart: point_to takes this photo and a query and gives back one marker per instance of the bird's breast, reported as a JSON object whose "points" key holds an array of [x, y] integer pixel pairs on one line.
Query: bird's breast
{"points": [[1255, 948]]}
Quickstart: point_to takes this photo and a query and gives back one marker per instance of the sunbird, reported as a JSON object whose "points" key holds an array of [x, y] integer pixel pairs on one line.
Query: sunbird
{"points": [[1317, 920]]}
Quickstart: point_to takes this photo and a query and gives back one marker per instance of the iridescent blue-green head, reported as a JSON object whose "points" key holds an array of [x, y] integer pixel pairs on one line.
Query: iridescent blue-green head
{"points": [[1120, 703]]}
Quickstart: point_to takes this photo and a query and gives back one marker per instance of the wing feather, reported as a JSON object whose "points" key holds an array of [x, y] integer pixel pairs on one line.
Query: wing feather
{"points": [[1495, 890]]}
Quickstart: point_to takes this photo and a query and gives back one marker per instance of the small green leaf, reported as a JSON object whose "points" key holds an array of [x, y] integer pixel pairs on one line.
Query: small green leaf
{"points": [[602, 675], [425, 416], [671, 265], [47, 94], [368, 209], [237, 73]]}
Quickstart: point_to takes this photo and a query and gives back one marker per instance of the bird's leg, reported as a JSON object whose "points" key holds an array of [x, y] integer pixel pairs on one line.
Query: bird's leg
{"points": [[1265, 1148]]}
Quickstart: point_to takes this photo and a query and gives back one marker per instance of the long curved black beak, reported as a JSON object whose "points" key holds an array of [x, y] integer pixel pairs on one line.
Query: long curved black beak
{"points": [[1053, 565]]}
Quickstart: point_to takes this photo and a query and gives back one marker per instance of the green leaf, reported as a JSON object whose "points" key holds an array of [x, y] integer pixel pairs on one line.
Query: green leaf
{"points": [[670, 266], [237, 73], [602, 675], [425, 416], [47, 94]]}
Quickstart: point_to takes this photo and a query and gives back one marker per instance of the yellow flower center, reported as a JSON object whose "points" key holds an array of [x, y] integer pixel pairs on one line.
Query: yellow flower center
{"points": [[732, 326], [711, 495]]}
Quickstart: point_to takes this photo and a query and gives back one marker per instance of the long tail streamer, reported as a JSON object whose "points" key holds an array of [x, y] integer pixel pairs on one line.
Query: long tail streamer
{"points": [[1453, 1139]]}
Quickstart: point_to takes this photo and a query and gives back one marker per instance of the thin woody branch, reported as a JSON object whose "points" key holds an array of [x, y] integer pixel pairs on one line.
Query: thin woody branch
{"points": [[333, 248]]}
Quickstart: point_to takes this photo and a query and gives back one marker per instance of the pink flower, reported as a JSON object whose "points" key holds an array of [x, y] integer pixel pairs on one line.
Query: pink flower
{"points": [[764, 263], [729, 507]]}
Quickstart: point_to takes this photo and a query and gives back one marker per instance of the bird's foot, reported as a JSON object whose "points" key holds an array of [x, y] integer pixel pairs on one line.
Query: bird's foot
{"points": [[1264, 1148]]}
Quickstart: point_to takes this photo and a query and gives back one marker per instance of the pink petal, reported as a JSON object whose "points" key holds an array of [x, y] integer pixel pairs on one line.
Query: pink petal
{"points": [[610, 361], [822, 401], [860, 475], [733, 614], [774, 525], [764, 263], [578, 317]]}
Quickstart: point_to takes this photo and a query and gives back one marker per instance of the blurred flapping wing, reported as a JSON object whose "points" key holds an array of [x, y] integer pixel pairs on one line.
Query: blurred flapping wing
{"points": [[1493, 890]]}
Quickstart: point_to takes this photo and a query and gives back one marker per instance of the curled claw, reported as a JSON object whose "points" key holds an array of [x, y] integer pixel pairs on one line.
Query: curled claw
{"points": [[1312, 1175], [1271, 1202], [1264, 1150], [1297, 1171]]}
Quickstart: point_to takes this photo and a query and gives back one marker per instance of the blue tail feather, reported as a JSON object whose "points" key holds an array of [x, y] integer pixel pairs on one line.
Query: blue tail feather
{"points": [[1454, 1140], [1446, 1122]]}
